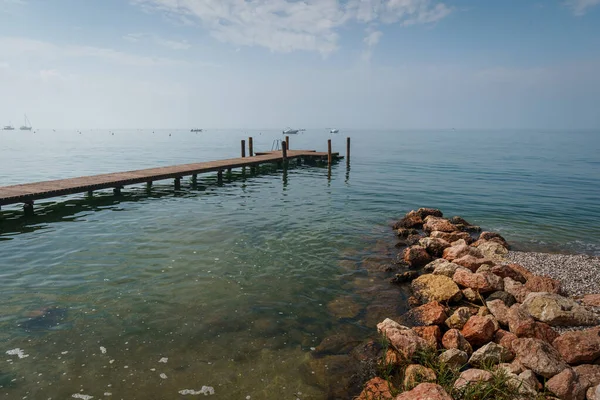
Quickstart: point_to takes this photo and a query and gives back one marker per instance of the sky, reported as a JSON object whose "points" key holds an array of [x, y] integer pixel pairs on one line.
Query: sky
{"points": [[364, 64]]}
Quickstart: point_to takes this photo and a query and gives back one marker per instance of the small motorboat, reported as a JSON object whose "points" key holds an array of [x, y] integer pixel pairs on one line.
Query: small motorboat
{"points": [[290, 131], [334, 131]]}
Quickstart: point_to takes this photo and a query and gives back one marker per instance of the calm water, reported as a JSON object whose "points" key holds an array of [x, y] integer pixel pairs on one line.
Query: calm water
{"points": [[234, 284]]}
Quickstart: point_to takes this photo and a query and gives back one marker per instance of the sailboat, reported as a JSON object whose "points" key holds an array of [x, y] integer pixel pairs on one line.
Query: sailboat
{"points": [[27, 126], [9, 127]]}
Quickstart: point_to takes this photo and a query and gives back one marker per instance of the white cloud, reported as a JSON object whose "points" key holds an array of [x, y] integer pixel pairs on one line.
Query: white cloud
{"points": [[580, 7], [286, 25], [372, 38], [172, 44]]}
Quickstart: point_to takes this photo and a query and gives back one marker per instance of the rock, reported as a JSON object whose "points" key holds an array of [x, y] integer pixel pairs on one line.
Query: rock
{"points": [[579, 346], [566, 385], [453, 339], [505, 339], [471, 376], [507, 298], [471, 295], [499, 310], [489, 354], [484, 282], [593, 393], [484, 268], [426, 212], [425, 391], [522, 270], [472, 263], [459, 242], [451, 237], [434, 246], [537, 330], [429, 268], [529, 377], [538, 356], [491, 236], [332, 373], [446, 268], [335, 344], [504, 271], [459, 318], [514, 367], [368, 350], [493, 251], [416, 256], [591, 300], [478, 330], [415, 374], [410, 220], [454, 358], [436, 288], [377, 388], [456, 220], [405, 341], [543, 284], [405, 277], [392, 358], [556, 310], [517, 289], [344, 307], [431, 334], [438, 224], [454, 252], [405, 232], [483, 311], [589, 375], [413, 302], [517, 319]]}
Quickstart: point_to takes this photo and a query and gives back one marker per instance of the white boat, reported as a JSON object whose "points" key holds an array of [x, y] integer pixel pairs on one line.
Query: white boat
{"points": [[27, 125], [196, 130], [334, 130], [8, 127], [290, 131]]}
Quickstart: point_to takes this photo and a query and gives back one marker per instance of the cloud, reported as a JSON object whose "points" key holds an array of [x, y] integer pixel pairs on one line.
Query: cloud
{"points": [[370, 40], [580, 7], [286, 25], [172, 44]]}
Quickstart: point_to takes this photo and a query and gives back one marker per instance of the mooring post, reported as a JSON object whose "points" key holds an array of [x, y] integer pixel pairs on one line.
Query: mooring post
{"points": [[243, 148], [287, 142], [117, 190], [329, 151], [28, 207], [250, 147], [348, 151], [90, 193], [177, 183], [149, 185], [194, 178], [284, 151], [220, 176]]}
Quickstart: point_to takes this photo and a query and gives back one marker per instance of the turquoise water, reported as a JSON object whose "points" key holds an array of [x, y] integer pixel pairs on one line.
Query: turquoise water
{"points": [[235, 284]]}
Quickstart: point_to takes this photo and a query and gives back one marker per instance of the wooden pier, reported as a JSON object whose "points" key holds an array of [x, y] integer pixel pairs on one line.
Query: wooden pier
{"points": [[29, 192]]}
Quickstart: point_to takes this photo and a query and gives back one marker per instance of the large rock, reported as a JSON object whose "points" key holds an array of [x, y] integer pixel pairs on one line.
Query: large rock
{"points": [[591, 300], [459, 318], [404, 340], [472, 263], [377, 388], [451, 237], [434, 246], [471, 295], [432, 313], [431, 334], [493, 251], [517, 319], [453, 339], [505, 339], [493, 236], [537, 330], [416, 256], [589, 375], [556, 310], [438, 224], [484, 282], [507, 298], [566, 385], [593, 393], [504, 271], [539, 356], [489, 354], [435, 288], [410, 220], [335, 344], [405, 232], [521, 270], [454, 252], [415, 374], [445, 268], [499, 311], [479, 330], [425, 391], [454, 358], [472, 376], [517, 289], [538, 283], [579, 346], [425, 212]]}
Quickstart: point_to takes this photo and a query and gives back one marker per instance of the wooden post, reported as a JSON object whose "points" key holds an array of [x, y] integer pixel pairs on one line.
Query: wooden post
{"points": [[220, 175], [329, 152], [177, 183], [287, 142], [284, 150], [117, 190], [28, 207], [90, 193], [243, 148], [348, 151], [194, 177], [250, 147], [149, 185]]}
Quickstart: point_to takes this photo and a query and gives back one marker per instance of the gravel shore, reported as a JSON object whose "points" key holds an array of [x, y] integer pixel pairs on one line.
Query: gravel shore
{"points": [[578, 274]]}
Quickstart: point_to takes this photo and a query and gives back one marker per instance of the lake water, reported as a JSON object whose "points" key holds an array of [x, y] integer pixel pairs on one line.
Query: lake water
{"points": [[233, 285]]}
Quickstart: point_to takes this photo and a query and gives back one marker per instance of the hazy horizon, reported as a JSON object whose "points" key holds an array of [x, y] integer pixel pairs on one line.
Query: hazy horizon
{"points": [[363, 64]]}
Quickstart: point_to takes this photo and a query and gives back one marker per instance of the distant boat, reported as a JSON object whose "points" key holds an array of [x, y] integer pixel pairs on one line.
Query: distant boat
{"points": [[27, 126], [334, 130], [196, 130], [8, 127], [290, 131]]}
